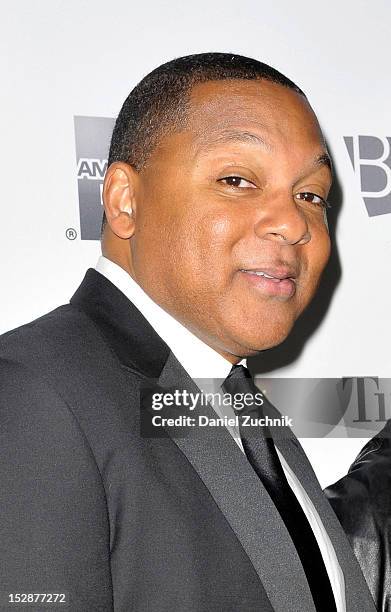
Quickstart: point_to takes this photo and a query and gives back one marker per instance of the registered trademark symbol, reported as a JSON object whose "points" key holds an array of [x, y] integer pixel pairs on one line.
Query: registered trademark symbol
{"points": [[71, 233]]}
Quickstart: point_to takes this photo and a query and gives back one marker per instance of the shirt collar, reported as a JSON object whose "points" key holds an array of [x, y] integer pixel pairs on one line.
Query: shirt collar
{"points": [[198, 359]]}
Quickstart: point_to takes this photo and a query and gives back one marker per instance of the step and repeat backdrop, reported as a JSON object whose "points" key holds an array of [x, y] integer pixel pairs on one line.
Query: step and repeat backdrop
{"points": [[66, 68]]}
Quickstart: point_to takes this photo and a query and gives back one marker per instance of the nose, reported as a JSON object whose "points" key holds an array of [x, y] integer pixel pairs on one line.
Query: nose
{"points": [[282, 221]]}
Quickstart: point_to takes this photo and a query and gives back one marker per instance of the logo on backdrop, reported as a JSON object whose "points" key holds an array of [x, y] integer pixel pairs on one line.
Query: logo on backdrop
{"points": [[371, 161], [92, 135]]}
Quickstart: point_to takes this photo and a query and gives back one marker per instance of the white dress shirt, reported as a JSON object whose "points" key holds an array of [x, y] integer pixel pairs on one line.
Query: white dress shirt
{"points": [[202, 362]]}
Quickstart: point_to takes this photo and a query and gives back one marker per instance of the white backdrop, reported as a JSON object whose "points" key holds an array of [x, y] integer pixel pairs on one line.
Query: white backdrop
{"points": [[65, 58]]}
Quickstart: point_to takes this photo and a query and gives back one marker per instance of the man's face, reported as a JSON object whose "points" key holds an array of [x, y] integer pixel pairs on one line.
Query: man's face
{"points": [[229, 236]]}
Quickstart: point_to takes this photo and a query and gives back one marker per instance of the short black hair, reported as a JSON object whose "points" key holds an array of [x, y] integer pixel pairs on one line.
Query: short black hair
{"points": [[158, 104]]}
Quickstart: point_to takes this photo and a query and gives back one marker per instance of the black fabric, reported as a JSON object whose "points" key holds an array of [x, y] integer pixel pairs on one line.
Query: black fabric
{"points": [[262, 455], [89, 508], [126, 330], [362, 502], [124, 523]]}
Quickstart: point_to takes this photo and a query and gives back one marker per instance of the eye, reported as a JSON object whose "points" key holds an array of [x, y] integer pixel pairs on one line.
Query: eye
{"points": [[313, 198], [237, 181]]}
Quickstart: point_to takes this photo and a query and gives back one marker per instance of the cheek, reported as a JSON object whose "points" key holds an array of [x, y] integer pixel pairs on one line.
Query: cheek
{"points": [[321, 249], [316, 258], [205, 243], [216, 237]]}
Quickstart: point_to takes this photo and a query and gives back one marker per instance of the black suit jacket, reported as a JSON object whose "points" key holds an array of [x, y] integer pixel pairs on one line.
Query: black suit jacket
{"points": [[362, 502], [122, 522]]}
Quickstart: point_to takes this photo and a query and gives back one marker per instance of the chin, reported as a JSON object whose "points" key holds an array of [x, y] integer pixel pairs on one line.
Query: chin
{"points": [[270, 341], [264, 335]]}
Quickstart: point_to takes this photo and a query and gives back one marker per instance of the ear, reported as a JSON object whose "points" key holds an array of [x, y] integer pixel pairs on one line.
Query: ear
{"points": [[119, 198]]}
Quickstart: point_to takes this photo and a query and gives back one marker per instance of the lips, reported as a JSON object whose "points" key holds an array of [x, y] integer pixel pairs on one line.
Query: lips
{"points": [[276, 281]]}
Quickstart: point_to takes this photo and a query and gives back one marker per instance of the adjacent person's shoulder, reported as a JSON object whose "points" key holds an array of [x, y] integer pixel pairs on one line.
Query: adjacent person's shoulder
{"points": [[369, 476], [362, 498], [362, 503]]}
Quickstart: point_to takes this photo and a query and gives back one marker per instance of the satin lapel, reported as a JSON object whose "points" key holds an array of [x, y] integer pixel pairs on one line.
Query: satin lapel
{"points": [[244, 502], [357, 594]]}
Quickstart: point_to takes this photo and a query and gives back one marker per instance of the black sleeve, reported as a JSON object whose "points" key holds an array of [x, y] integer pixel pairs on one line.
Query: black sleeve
{"points": [[362, 503], [54, 530]]}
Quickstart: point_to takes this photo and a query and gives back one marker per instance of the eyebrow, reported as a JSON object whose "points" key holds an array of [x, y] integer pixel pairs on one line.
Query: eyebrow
{"points": [[324, 159]]}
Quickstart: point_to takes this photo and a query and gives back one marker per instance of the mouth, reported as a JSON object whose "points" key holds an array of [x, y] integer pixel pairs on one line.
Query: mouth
{"points": [[273, 282]]}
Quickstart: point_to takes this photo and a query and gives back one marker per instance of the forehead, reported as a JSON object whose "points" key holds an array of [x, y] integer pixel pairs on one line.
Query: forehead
{"points": [[259, 107]]}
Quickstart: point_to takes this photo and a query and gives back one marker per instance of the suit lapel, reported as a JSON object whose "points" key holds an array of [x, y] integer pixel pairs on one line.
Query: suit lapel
{"points": [[243, 501], [217, 460], [128, 333]]}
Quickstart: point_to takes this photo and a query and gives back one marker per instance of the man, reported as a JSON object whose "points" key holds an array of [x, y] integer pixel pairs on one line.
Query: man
{"points": [[213, 242], [362, 502]]}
